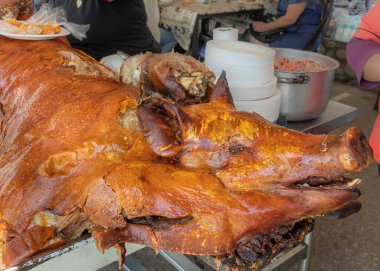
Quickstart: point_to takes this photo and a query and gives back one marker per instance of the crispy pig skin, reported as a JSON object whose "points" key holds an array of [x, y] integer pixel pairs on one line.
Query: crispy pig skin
{"points": [[197, 179], [27, 243], [60, 133]]}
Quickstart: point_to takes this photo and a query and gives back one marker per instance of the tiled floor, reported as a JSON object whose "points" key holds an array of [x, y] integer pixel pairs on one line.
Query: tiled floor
{"points": [[351, 244]]}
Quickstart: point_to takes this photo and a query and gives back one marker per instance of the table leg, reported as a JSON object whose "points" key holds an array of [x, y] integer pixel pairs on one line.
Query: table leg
{"points": [[179, 262], [194, 48], [131, 264], [306, 261]]}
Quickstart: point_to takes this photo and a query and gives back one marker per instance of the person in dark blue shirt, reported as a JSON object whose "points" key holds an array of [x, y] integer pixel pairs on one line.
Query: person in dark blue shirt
{"points": [[300, 19]]}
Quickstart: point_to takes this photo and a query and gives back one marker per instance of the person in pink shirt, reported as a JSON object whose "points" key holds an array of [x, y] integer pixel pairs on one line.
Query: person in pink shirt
{"points": [[363, 55]]}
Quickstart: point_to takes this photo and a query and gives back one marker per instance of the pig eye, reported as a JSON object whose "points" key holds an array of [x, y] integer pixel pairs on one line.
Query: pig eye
{"points": [[235, 148]]}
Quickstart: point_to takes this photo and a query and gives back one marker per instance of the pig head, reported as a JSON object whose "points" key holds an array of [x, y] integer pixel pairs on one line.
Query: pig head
{"points": [[243, 150], [223, 175]]}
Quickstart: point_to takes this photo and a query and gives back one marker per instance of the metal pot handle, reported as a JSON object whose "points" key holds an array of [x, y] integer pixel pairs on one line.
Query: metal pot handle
{"points": [[301, 79]]}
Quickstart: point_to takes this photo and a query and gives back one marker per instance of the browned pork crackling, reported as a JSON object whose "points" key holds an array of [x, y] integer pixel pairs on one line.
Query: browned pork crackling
{"points": [[80, 151]]}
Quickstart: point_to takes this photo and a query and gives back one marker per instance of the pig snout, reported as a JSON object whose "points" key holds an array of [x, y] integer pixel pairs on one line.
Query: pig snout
{"points": [[354, 150]]}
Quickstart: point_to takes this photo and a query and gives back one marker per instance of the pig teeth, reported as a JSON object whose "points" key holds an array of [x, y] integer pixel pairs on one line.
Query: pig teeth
{"points": [[354, 183]]}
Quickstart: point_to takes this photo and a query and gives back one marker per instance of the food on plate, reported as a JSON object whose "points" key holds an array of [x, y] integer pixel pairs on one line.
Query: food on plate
{"points": [[81, 151], [33, 28], [287, 64]]}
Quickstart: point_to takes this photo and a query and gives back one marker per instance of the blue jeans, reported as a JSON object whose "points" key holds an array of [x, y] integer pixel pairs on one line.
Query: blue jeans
{"points": [[167, 40]]}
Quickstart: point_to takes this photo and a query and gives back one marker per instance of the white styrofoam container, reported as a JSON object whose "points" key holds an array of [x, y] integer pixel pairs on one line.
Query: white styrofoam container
{"points": [[238, 53], [244, 63], [241, 76], [269, 108], [253, 92]]}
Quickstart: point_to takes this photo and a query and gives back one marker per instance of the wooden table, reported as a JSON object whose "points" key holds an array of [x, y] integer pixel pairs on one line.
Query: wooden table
{"points": [[185, 20]]}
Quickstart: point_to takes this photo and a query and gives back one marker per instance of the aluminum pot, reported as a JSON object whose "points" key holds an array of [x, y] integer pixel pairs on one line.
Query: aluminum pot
{"points": [[305, 95]]}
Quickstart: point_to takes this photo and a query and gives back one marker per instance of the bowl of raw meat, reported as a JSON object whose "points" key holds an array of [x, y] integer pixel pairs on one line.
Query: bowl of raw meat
{"points": [[305, 80]]}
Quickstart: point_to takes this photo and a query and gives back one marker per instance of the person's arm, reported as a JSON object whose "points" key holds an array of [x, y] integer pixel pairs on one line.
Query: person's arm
{"points": [[291, 16], [371, 70], [363, 57]]}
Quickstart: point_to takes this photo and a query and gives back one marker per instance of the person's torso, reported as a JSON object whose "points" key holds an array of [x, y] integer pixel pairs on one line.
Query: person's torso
{"points": [[112, 24], [310, 18], [369, 28]]}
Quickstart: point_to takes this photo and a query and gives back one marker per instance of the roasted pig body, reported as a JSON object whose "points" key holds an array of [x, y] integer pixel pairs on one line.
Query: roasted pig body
{"points": [[80, 151]]}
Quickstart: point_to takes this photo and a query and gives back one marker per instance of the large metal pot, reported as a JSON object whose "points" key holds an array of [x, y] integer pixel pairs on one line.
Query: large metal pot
{"points": [[305, 94]]}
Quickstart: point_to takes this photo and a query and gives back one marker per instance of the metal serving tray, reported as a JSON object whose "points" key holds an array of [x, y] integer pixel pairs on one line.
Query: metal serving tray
{"points": [[79, 254]]}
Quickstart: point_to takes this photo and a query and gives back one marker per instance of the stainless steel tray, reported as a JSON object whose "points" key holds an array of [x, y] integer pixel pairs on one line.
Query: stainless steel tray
{"points": [[52, 253], [79, 254]]}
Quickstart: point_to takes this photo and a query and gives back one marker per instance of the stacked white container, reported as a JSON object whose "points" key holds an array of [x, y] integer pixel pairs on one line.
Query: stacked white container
{"points": [[250, 75]]}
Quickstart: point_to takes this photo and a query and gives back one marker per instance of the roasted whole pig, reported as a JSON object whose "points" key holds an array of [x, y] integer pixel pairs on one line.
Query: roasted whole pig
{"points": [[79, 151]]}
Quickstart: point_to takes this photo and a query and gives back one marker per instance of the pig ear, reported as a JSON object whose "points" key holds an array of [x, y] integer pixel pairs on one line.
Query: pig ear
{"points": [[221, 91], [162, 124]]}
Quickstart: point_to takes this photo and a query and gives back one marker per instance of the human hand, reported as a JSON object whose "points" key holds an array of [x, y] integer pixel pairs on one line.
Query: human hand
{"points": [[260, 26]]}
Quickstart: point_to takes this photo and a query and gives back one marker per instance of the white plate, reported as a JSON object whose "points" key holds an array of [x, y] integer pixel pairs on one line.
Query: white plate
{"points": [[238, 77], [268, 108], [238, 53], [253, 92], [64, 32]]}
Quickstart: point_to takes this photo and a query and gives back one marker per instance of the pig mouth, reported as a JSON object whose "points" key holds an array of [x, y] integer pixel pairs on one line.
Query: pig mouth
{"points": [[335, 185], [338, 183], [253, 252]]}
